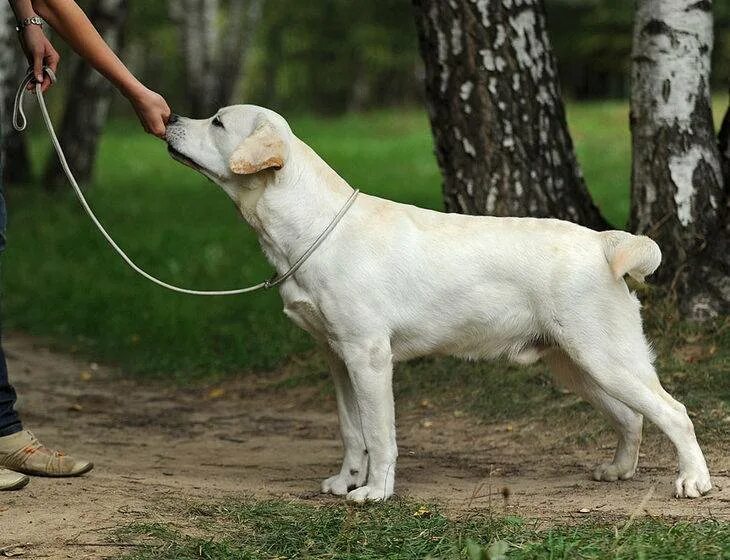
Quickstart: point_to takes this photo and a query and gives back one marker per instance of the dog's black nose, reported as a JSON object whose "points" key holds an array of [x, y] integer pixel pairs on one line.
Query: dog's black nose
{"points": [[173, 119]]}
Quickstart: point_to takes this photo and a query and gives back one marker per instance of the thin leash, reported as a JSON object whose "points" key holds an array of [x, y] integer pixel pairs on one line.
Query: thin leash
{"points": [[20, 122]]}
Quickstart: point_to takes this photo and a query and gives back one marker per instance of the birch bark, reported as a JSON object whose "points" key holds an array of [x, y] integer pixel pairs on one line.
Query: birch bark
{"points": [[497, 116], [216, 37], [200, 40], [243, 18], [678, 193]]}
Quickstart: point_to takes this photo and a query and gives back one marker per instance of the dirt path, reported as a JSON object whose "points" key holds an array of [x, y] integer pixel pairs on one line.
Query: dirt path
{"points": [[159, 449]]}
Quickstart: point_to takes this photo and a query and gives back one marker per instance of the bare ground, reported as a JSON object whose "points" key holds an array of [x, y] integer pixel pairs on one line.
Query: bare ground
{"points": [[159, 449]]}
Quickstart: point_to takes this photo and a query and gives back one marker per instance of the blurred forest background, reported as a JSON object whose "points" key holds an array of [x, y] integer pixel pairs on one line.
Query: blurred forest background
{"points": [[333, 56], [348, 55]]}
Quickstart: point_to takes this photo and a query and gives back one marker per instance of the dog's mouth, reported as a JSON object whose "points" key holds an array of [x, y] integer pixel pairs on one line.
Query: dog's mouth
{"points": [[182, 158]]}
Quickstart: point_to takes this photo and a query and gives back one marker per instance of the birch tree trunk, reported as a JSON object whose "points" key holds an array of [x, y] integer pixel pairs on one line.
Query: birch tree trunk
{"points": [[215, 48], [88, 99], [12, 69], [498, 120], [678, 192], [200, 39], [243, 18]]}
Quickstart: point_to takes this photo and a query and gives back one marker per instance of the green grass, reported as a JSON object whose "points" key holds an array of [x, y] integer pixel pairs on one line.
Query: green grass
{"points": [[61, 281], [403, 530]]}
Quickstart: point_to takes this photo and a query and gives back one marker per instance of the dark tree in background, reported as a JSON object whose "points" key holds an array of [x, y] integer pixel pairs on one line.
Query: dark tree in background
{"points": [[13, 66], [679, 196], [496, 112], [88, 98], [216, 37]]}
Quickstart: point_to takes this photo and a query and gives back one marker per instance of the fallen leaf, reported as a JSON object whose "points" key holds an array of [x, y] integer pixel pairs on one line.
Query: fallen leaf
{"points": [[85, 375], [422, 512], [216, 393]]}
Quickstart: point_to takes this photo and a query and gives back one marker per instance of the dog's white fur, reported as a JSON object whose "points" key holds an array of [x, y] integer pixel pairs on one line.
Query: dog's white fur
{"points": [[393, 282]]}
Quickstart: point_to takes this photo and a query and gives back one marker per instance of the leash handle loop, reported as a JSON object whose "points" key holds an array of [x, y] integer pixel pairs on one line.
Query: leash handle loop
{"points": [[20, 123]]}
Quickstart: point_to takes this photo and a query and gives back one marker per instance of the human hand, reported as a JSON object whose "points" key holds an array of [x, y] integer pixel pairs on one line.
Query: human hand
{"points": [[152, 110], [40, 52]]}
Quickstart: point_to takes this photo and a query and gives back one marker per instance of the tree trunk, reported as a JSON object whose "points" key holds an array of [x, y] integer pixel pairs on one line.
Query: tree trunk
{"points": [[497, 116], [87, 104], [243, 18], [678, 193], [199, 28], [12, 69], [214, 57]]}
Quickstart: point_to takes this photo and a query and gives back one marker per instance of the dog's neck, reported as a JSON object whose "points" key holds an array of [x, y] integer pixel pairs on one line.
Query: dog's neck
{"points": [[290, 207]]}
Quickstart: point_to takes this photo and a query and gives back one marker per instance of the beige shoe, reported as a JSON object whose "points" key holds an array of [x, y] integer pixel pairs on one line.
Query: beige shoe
{"points": [[23, 453], [10, 480]]}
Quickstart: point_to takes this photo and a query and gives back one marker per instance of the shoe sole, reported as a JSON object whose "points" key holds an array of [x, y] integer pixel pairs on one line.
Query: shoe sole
{"points": [[86, 469], [17, 486]]}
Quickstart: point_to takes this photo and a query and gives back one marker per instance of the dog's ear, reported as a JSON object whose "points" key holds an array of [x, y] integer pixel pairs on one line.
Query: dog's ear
{"points": [[263, 149]]}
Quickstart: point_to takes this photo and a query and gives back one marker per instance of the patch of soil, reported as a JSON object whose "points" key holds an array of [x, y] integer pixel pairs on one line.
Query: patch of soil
{"points": [[158, 449]]}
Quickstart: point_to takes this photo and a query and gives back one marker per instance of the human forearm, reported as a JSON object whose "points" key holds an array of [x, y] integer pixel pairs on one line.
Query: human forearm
{"points": [[72, 24], [22, 9]]}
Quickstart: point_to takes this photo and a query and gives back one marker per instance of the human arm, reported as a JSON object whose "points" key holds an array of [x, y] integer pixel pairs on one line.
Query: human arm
{"points": [[71, 23]]}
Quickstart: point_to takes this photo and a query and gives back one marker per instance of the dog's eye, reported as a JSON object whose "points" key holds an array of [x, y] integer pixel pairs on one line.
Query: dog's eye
{"points": [[218, 122]]}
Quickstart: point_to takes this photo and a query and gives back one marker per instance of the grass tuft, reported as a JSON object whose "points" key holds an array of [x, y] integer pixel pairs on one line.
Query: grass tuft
{"points": [[406, 530]]}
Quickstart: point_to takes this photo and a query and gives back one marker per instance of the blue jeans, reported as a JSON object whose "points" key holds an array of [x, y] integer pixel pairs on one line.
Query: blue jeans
{"points": [[9, 419]]}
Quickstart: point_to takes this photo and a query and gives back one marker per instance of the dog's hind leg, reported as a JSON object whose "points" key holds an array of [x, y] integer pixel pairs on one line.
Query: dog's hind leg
{"points": [[621, 366], [626, 422], [353, 473]]}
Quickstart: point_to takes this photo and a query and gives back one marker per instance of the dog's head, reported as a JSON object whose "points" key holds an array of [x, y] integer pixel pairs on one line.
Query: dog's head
{"points": [[235, 145]]}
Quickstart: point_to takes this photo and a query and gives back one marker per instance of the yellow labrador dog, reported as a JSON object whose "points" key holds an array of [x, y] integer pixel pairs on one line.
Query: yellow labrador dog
{"points": [[392, 282]]}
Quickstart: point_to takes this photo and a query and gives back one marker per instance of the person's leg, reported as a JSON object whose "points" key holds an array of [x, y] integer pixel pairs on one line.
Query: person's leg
{"points": [[9, 420], [20, 451]]}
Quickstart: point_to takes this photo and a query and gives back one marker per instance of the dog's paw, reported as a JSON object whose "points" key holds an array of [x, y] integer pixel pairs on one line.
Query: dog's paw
{"points": [[369, 494], [340, 484], [610, 472], [692, 484]]}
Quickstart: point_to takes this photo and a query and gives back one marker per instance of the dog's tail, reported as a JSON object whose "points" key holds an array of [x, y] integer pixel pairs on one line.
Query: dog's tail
{"points": [[635, 255]]}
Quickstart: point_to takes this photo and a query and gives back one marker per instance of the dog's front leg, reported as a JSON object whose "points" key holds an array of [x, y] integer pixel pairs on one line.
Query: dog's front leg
{"points": [[371, 373], [353, 473]]}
